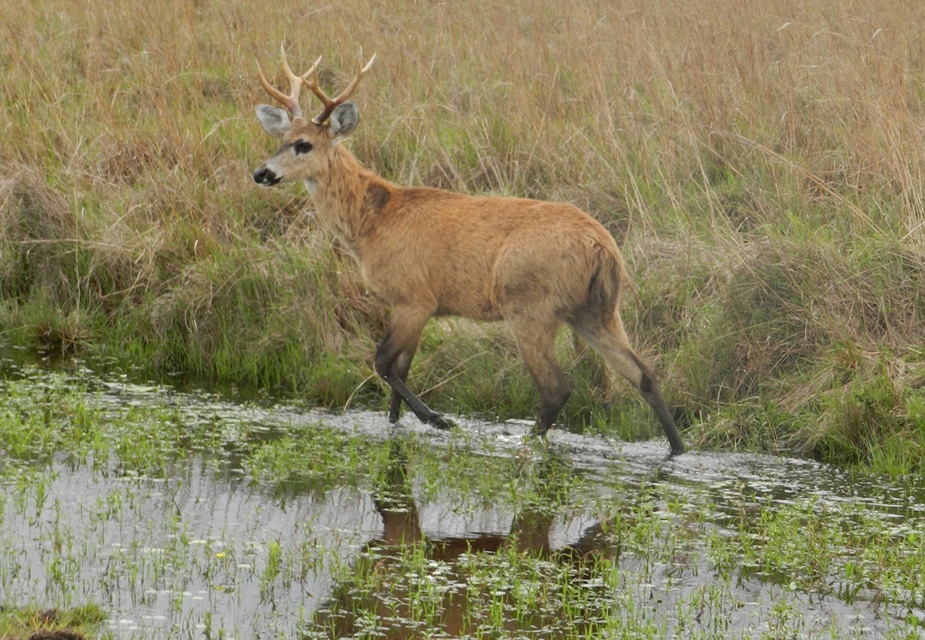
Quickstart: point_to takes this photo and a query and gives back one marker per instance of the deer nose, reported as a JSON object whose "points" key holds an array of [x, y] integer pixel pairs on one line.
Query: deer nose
{"points": [[266, 176]]}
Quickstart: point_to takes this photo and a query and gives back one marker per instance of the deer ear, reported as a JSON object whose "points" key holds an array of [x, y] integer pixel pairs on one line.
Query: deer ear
{"points": [[344, 119], [275, 121]]}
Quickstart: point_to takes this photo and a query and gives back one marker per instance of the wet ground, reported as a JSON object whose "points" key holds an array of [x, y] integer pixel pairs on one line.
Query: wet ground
{"points": [[584, 537]]}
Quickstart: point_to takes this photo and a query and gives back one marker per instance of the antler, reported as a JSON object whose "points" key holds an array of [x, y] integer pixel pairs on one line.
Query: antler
{"points": [[291, 102], [311, 81]]}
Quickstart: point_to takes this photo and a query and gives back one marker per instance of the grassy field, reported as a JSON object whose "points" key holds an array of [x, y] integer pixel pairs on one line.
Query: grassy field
{"points": [[760, 163]]}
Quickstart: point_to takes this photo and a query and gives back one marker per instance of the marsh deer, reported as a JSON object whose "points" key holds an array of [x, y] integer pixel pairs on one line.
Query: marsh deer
{"points": [[427, 252]]}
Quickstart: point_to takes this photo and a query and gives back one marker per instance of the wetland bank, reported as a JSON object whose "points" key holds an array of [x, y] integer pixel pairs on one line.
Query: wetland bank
{"points": [[760, 166]]}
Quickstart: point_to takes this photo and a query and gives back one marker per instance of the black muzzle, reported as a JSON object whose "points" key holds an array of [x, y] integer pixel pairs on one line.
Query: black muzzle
{"points": [[266, 177]]}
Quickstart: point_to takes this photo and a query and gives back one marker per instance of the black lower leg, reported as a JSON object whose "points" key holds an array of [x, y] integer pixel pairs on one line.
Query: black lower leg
{"points": [[394, 407], [550, 405], [401, 367], [652, 394], [386, 357]]}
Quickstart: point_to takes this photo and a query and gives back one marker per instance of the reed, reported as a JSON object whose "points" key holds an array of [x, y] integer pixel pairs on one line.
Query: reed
{"points": [[760, 164]]}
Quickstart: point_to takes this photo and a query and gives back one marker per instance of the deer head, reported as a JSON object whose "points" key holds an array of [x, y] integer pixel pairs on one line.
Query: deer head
{"points": [[307, 145]]}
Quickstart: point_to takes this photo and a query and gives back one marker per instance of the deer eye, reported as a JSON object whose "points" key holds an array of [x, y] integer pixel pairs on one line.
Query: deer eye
{"points": [[302, 147]]}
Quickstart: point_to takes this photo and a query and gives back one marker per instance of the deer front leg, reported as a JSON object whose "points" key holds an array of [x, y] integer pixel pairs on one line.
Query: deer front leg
{"points": [[403, 337], [401, 367]]}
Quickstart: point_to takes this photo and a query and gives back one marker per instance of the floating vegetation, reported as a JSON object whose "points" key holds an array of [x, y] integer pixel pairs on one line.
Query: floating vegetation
{"points": [[180, 515]]}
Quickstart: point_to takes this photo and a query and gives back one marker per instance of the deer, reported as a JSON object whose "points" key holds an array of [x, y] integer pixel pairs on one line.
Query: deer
{"points": [[426, 252]]}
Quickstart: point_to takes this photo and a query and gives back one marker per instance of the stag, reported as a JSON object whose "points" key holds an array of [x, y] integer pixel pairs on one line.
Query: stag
{"points": [[427, 252]]}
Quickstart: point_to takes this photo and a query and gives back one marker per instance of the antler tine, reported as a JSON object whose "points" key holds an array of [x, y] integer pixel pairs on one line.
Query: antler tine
{"points": [[311, 81], [312, 72], [291, 102], [331, 103]]}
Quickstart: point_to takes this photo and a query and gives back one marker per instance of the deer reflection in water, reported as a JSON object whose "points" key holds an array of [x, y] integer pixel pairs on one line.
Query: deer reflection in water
{"points": [[410, 584]]}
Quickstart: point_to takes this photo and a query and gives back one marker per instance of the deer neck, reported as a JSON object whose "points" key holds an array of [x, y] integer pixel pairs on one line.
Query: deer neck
{"points": [[338, 195]]}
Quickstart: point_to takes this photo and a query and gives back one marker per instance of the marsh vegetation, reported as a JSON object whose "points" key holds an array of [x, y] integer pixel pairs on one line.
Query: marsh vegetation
{"points": [[188, 515], [760, 165]]}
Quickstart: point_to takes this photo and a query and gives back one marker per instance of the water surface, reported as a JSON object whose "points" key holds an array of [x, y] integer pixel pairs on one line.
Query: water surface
{"points": [[208, 545]]}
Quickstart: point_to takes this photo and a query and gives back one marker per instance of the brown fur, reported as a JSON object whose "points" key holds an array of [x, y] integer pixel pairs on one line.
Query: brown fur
{"points": [[424, 252]]}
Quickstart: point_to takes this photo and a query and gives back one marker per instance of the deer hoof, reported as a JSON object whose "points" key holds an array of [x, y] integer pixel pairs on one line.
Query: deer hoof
{"points": [[441, 422]]}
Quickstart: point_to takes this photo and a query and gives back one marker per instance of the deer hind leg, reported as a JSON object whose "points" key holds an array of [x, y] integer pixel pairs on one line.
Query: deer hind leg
{"points": [[609, 338], [537, 344], [404, 334]]}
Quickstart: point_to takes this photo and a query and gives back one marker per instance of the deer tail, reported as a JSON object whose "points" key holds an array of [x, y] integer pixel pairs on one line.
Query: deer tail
{"points": [[607, 276]]}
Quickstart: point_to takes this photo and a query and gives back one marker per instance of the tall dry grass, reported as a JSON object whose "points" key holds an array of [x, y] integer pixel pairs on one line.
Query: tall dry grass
{"points": [[761, 164]]}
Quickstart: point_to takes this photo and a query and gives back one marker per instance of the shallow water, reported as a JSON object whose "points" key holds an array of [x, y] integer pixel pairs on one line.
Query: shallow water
{"points": [[205, 549]]}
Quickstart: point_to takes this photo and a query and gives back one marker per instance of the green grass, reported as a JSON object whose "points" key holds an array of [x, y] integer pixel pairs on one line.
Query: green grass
{"points": [[80, 622], [758, 165]]}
